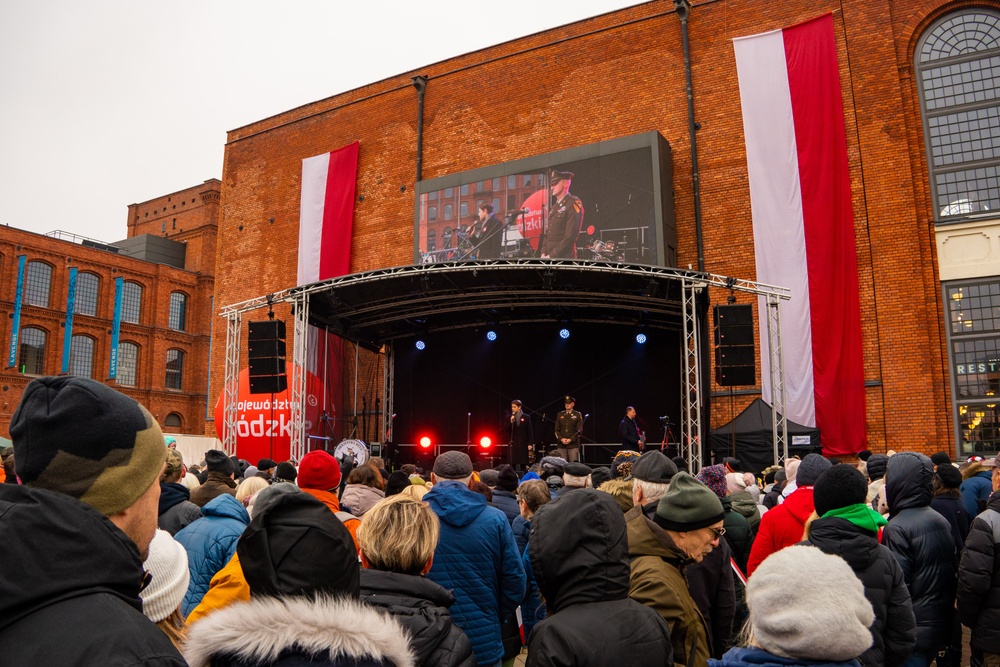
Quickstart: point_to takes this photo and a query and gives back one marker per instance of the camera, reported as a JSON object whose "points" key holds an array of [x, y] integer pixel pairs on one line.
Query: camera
{"points": [[665, 420]]}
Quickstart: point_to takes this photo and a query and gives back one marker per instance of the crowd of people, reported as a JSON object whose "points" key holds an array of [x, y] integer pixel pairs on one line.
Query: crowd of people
{"points": [[118, 552]]}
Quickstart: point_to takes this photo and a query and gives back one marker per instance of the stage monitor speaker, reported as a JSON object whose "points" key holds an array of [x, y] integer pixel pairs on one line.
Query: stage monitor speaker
{"points": [[735, 354], [266, 353]]}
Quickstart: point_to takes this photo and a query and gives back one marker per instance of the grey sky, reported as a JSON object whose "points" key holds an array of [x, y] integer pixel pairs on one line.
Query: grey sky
{"points": [[104, 103]]}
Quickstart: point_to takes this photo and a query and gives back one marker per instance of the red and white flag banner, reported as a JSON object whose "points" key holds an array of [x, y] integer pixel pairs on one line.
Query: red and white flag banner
{"points": [[326, 214], [800, 196]]}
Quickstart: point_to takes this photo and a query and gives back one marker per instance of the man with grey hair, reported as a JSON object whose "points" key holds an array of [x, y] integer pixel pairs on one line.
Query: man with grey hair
{"points": [[576, 475], [476, 557], [651, 476]]}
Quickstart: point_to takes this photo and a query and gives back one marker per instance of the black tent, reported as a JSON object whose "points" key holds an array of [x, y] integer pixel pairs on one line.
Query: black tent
{"points": [[753, 437]]}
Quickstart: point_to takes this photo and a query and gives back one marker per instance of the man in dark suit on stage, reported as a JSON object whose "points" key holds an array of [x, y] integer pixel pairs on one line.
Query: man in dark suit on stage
{"points": [[629, 431], [488, 235], [522, 437]]}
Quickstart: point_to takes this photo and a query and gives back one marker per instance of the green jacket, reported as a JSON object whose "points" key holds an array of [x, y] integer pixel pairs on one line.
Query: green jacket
{"points": [[657, 580]]}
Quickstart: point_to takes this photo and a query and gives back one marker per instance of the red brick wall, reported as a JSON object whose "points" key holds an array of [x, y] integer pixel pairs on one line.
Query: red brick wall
{"points": [[614, 75]]}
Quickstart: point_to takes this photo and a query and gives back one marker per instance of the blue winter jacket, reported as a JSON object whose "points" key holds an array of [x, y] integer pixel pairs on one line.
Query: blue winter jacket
{"points": [[476, 559], [756, 657], [210, 543], [506, 502], [975, 491]]}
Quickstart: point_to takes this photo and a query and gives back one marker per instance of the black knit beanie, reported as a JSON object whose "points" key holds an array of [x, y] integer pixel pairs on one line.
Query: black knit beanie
{"points": [[217, 461], [838, 487]]}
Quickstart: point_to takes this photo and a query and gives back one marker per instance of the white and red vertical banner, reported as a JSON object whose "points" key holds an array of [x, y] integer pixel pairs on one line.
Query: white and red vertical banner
{"points": [[800, 196], [326, 214]]}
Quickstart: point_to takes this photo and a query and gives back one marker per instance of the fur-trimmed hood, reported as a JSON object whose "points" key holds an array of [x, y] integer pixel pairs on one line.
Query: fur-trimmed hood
{"points": [[259, 631]]}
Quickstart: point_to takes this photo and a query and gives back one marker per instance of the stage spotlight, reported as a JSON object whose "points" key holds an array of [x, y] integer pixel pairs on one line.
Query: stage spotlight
{"points": [[421, 345], [491, 335], [425, 442], [564, 333], [485, 442], [640, 338]]}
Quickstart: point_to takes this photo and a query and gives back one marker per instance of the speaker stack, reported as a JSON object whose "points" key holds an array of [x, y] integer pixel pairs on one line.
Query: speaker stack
{"points": [[735, 355], [267, 357]]}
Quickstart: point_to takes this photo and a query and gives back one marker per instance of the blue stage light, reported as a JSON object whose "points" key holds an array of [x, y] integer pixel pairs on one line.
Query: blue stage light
{"points": [[421, 345], [491, 335], [640, 338], [564, 333]]}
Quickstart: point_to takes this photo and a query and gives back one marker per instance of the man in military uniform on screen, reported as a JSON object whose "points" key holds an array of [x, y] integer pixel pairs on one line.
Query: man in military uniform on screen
{"points": [[569, 424], [565, 217]]}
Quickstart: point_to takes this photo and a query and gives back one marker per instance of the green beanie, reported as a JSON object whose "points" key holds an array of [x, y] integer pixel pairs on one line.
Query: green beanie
{"points": [[688, 505]]}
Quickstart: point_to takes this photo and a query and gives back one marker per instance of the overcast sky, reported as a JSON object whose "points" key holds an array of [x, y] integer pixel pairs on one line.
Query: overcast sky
{"points": [[105, 103]]}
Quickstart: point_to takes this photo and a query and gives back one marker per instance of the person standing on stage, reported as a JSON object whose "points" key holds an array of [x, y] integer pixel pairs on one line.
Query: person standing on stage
{"points": [[569, 425], [565, 217], [632, 437], [521, 437], [488, 234]]}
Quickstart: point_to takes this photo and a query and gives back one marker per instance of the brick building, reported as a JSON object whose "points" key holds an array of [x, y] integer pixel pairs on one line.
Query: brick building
{"points": [[167, 267], [919, 95]]}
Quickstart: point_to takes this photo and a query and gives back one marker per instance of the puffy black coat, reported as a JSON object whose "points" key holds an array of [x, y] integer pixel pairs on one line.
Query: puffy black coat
{"points": [[953, 510], [894, 631], [979, 579], [712, 588], [420, 606], [922, 542], [582, 569]]}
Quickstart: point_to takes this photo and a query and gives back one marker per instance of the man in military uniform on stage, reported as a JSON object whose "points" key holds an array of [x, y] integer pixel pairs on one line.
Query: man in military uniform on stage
{"points": [[569, 424], [565, 218]]}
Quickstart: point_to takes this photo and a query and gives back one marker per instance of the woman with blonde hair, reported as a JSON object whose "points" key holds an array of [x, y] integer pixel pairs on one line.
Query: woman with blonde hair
{"points": [[167, 567], [248, 487], [397, 538], [415, 491]]}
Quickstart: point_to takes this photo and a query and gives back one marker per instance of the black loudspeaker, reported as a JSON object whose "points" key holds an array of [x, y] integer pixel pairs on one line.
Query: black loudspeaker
{"points": [[266, 353], [735, 354]]}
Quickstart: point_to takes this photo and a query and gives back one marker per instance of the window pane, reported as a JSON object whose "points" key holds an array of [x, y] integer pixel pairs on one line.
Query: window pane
{"points": [[432, 213], [464, 189], [960, 34], [38, 280], [178, 311], [463, 209], [87, 285], [173, 420], [31, 355], [448, 211], [128, 364], [131, 302], [175, 369], [81, 356]]}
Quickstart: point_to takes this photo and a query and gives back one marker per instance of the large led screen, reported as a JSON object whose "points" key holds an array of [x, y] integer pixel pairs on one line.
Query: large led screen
{"points": [[593, 202]]}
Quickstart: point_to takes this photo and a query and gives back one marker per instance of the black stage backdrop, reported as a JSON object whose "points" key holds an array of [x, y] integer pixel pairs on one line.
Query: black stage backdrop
{"points": [[602, 366]]}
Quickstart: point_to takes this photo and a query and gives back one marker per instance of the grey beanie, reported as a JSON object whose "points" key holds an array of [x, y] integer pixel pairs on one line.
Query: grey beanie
{"points": [[812, 466], [688, 505], [653, 466], [794, 614]]}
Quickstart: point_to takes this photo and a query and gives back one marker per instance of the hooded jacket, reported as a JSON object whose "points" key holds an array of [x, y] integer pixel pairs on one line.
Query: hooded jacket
{"points": [[894, 632], [739, 533], [325, 631], [359, 498], [476, 558], [421, 607], [210, 543], [922, 542], [743, 502], [979, 579], [657, 579], [582, 570], [782, 526], [176, 509], [71, 598], [976, 488]]}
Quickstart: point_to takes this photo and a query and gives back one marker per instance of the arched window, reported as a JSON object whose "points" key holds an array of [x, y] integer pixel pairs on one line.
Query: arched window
{"points": [[175, 369], [37, 284], [448, 211], [432, 213], [131, 302], [958, 75], [128, 364], [81, 356], [178, 311], [172, 421], [87, 286], [31, 353], [431, 240]]}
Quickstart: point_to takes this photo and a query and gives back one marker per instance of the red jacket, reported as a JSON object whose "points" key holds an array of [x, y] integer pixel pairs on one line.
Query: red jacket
{"points": [[782, 526]]}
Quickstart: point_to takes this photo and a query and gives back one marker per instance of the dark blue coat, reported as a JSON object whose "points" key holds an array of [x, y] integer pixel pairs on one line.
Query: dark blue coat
{"points": [[476, 558], [758, 657], [506, 502], [975, 491], [210, 543]]}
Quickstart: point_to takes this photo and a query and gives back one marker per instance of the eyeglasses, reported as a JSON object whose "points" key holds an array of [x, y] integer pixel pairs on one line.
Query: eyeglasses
{"points": [[718, 532]]}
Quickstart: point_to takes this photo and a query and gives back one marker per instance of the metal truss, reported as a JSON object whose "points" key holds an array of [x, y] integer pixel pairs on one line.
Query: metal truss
{"points": [[691, 434], [779, 423], [231, 388], [300, 349], [388, 386]]}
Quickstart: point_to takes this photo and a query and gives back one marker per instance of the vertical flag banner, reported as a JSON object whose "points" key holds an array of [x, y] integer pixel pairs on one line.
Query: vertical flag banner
{"points": [[116, 327], [15, 326], [68, 329], [326, 214], [803, 223]]}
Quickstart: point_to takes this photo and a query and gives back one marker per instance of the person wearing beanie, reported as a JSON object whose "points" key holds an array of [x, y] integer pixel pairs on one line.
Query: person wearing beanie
{"points": [[504, 494], [600, 475], [621, 465], [785, 524], [922, 542], [948, 502], [220, 478], [476, 557], [319, 476], [77, 529], [848, 527], [167, 565], [285, 472], [685, 527], [398, 480], [739, 535], [175, 509], [582, 570], [742, 487], [794, 618], [304, 606], [940, 459], [875, 467]]}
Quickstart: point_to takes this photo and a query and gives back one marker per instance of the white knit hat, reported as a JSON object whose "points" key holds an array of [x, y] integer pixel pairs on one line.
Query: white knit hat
{"points": [[168, 565], [808, 605]]}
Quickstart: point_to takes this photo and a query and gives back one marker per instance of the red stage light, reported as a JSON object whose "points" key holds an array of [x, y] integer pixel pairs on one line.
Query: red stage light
{"points": [[485, 442], [425, 442]]}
